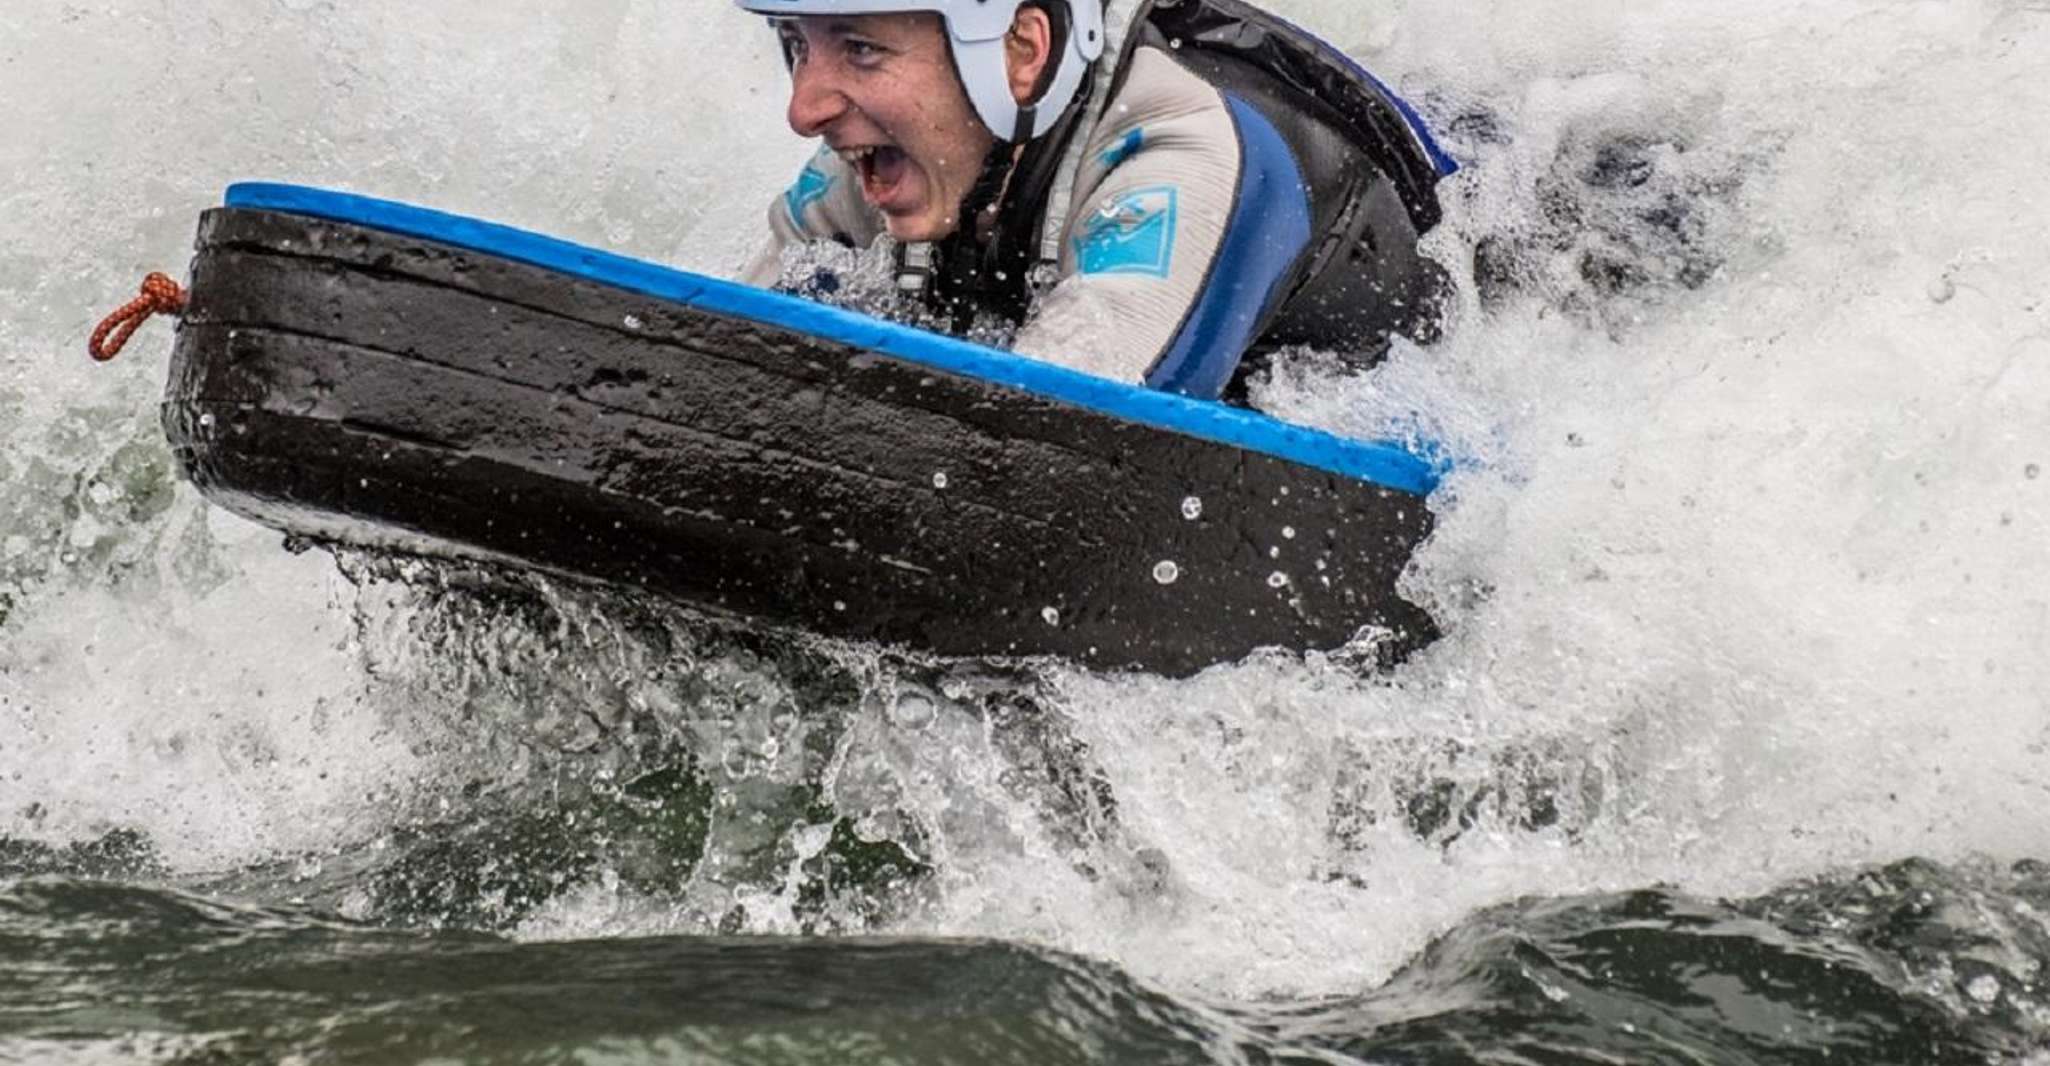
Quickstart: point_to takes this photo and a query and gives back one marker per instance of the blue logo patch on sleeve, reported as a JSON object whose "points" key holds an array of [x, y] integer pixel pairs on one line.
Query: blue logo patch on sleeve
{"points": [[812, 185], [1133, 234], [1124, 149]]}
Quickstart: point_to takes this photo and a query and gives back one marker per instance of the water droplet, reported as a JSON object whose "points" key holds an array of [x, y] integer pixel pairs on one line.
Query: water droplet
{"points": [[207, 419], [1166, 572], [808, 841], [1052, 616], [913, 710], [1287, 532], [1985, 988], [633, 321], [1192, 508], [735, 758], [1274, 553], [1277, 580], [939, 480], [839, 605]]}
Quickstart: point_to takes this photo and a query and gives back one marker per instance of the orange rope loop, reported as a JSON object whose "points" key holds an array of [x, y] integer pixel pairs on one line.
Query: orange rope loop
{"points": [[160, 296]]}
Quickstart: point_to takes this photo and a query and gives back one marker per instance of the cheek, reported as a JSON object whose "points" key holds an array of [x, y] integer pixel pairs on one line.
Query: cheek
{"points": [[955, 142], [944, 112]]}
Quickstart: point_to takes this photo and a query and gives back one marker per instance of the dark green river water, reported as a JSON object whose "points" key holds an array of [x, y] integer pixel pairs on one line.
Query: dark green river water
{"points": [[1734, 752], [1909, 964]]}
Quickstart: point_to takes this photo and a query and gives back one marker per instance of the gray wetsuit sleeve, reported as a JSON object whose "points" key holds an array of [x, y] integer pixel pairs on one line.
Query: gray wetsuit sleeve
{"points": [[1151, 204], [823, 204]]}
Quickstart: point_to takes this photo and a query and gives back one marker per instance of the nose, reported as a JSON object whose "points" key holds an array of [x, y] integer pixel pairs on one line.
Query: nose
{"points": [[815, 98]]}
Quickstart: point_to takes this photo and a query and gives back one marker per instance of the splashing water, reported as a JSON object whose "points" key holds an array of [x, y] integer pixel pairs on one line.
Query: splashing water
{"points": [[1744, 571]]}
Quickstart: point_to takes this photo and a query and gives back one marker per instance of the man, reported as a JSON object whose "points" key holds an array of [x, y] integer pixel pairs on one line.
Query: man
{"points": [[1153, 191]]}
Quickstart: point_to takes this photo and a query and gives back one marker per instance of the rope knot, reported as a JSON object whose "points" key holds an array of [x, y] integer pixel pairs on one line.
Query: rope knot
{"points": [[160, 296]]}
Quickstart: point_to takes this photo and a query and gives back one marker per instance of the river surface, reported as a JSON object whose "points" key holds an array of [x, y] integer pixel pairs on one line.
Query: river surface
{"points": [[1736, 749]]}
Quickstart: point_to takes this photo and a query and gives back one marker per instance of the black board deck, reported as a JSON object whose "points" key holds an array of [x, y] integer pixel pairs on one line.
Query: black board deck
{"points": [[355, 371]]}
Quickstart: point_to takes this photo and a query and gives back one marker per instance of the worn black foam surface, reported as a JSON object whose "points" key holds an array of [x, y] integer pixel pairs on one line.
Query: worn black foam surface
{"points": [[353, 385]]}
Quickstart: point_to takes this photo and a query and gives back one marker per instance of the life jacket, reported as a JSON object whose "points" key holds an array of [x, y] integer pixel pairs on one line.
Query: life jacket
{"points": [[1369, 170]]}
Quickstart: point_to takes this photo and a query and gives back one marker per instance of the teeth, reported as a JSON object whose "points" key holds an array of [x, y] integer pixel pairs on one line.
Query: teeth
{"points": [[854, 156]]}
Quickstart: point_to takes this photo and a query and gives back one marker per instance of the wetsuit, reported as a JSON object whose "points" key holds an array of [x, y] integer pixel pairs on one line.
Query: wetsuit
{"points": [[1230, 185]]}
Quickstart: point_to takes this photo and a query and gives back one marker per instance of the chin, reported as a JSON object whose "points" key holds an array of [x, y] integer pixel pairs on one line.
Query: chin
{"points": [[918, 228]]}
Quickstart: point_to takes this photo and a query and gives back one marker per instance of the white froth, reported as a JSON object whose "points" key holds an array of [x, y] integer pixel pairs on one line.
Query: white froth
{"points": [[1759, 564], [217, 711]]}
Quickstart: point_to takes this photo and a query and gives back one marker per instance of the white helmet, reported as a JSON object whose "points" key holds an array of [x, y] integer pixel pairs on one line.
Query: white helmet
{"points": [[976, 29]]}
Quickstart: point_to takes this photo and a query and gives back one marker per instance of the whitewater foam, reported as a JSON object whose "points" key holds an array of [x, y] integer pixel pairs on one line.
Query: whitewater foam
{"points": [[1744, 577]]}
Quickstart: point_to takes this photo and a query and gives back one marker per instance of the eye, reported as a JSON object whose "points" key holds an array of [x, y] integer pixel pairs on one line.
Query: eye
{"points": [[863, 53], [792, 42]]}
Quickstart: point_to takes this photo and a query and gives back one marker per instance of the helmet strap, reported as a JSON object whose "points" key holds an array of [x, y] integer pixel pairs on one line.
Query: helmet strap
{"points": [[1022, 132], [978, 269]]}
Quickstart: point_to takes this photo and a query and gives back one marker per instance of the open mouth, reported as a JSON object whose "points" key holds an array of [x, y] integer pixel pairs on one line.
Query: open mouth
{"points": [[881, 168]]}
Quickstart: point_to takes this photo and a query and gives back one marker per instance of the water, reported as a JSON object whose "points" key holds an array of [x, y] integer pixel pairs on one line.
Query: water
{"points": [[1733, 752], [1868, 970]]}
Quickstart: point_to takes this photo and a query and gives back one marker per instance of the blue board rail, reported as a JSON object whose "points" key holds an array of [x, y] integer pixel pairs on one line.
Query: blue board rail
{"points": [[1385, 463]]}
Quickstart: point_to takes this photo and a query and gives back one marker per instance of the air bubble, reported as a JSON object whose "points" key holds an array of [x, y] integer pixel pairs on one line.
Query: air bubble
{"points": [[1277, 580], [1166, 572], [913, 710], [1052, 616], [740, 760], [2032, 471], [1192, 508], [207, 419], [1287, 532], [939, 480], [633, 322]]}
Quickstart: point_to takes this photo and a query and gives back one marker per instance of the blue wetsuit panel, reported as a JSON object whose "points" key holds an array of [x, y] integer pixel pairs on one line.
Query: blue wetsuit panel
{"points": [[1269, 228]]}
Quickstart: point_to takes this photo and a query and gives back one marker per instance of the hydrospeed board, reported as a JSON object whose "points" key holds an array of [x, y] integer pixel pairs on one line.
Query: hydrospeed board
{"points": [[385, 376]]}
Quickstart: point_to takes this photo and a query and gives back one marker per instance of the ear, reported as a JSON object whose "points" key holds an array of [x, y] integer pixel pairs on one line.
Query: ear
{"points": [[1028, 52]]}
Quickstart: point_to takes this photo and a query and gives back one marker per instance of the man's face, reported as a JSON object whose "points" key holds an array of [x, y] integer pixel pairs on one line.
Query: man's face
{"points": [[881, 90]]}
